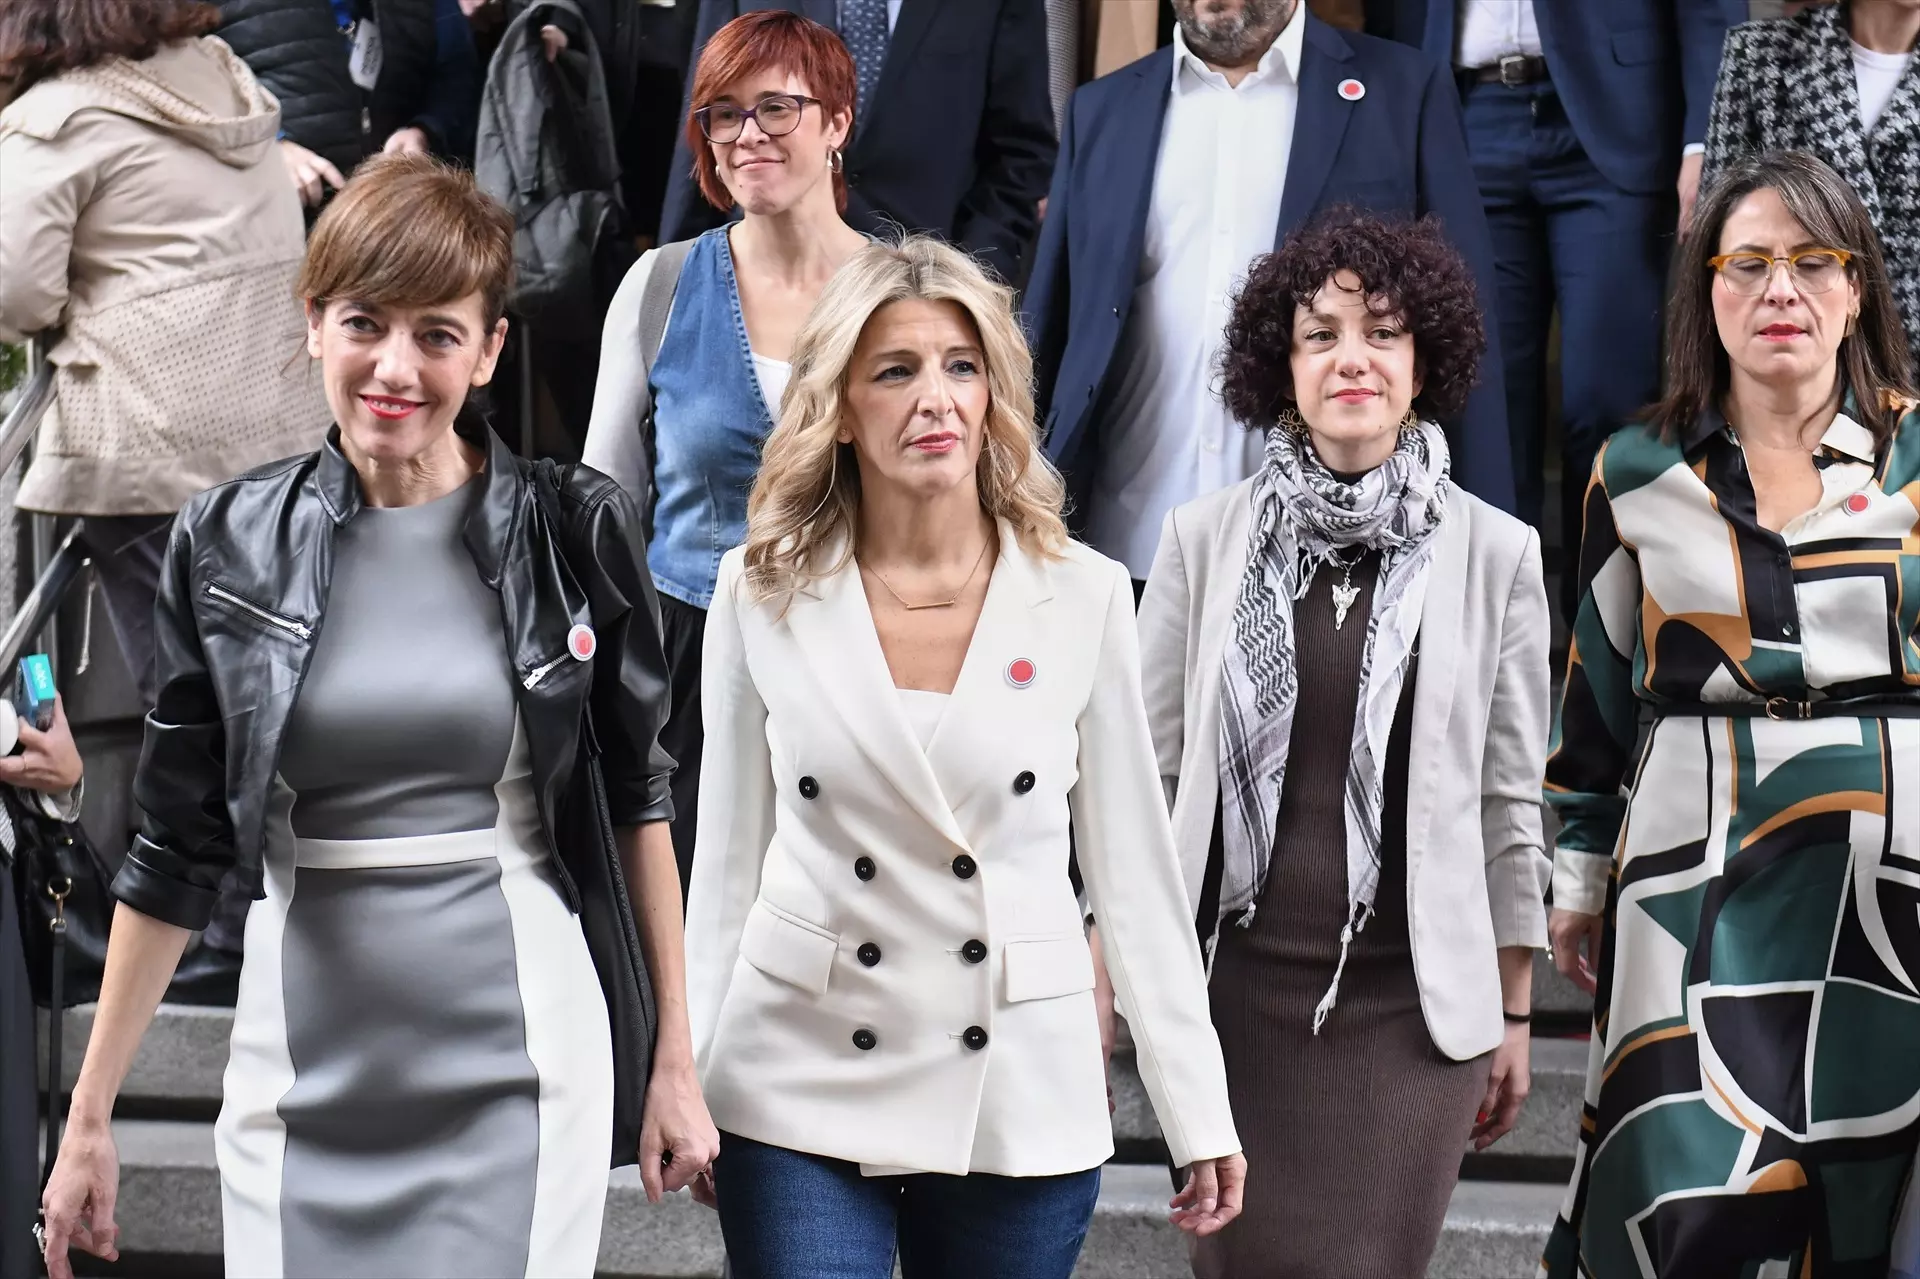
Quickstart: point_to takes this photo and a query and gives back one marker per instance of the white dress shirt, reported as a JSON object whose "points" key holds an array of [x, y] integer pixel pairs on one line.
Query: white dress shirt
{"points": [[1489, 30], [1216, 206]]}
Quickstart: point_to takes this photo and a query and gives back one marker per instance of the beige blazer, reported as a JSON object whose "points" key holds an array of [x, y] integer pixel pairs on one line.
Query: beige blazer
{"points": [[1477, 869], [886, 959]]}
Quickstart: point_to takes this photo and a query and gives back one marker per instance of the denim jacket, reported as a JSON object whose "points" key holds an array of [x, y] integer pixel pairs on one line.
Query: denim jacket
{"points": [[709, 421]]}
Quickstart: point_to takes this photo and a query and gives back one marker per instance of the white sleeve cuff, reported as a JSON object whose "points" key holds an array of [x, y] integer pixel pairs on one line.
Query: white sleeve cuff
{"points": [[1580, 881], [1694, 148]]}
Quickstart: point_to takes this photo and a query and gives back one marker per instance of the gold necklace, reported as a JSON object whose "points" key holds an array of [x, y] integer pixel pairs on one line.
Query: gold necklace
{"points": [[915, 608]]}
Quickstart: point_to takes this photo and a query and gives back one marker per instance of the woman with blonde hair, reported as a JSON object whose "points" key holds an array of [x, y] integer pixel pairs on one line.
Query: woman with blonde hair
{"points": [[913, 681]]}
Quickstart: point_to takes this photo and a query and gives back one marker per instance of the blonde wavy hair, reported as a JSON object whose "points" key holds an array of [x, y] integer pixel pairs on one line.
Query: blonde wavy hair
{"points": [[806, 499]]}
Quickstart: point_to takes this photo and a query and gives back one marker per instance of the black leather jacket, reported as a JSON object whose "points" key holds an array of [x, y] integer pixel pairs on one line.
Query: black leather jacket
{"points": [[243, 597]]}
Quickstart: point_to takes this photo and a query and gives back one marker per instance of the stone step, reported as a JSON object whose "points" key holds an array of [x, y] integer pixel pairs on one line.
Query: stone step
{"points": [[169, 1209], [179, 1066]]}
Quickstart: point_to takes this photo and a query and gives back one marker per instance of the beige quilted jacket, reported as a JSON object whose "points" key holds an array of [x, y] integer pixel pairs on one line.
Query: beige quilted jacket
{"points": [[145, 209]]}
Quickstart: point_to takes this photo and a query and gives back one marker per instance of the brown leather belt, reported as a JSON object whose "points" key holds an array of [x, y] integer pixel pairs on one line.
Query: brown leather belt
{"points": [[1513, 71]]}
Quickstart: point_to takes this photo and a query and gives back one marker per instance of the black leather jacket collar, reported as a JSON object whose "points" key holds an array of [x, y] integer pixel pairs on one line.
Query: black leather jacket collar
{"points": [[243, 600]]}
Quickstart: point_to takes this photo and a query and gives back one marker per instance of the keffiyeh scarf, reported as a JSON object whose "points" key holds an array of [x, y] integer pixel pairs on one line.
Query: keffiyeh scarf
{"points": [[1302, 516]]}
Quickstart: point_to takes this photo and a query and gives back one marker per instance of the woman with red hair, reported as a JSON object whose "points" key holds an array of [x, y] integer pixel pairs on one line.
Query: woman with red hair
{"points": [[693, 361]]}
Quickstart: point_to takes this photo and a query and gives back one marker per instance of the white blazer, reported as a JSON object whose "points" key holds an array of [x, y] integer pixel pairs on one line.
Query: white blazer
{"points": [[1477, 867], [886, 960]]}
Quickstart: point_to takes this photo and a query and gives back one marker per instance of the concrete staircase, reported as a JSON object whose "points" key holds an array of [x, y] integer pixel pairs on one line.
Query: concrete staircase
{"points": [[169, 1207]]}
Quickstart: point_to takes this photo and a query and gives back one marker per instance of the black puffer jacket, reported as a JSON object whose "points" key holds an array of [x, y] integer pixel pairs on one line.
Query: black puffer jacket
{"points": [[296, 50]]}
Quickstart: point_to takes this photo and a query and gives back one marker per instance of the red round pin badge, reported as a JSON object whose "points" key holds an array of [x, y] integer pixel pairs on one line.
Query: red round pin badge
{"points": [[581, 643], [1020, 672], [1857, 504], [1352, 90]]}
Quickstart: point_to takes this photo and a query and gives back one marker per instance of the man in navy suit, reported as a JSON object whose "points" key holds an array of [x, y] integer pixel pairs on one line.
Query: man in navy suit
{"points": [[954, 129], [1175, 172], [1585, 121]]}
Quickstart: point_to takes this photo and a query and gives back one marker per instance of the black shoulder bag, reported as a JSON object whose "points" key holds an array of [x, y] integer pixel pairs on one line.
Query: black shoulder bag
{"points": [[66, 909]]}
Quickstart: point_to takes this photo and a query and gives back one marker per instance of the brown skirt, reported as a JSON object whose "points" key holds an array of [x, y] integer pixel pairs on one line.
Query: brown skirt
{"points": [[1353, 1137]]}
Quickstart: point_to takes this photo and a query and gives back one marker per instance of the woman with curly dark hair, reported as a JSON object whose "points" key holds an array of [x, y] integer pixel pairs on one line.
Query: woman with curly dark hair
{"points": [[1313, 640]]}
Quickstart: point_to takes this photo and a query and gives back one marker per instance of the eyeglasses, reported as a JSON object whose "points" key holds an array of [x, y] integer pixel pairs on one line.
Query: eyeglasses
{"points": [[777, 116], [1811, 270]]}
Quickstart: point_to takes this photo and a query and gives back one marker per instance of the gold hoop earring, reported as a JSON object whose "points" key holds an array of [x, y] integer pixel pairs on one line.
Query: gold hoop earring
{"points": [[835, 163]]}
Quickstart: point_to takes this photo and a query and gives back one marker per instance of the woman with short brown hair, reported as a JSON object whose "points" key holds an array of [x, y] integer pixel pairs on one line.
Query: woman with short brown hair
{"points": [[407, 684]]}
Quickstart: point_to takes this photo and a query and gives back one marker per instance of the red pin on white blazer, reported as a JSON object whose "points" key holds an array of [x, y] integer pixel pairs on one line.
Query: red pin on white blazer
{"points": [[1020, 672]]}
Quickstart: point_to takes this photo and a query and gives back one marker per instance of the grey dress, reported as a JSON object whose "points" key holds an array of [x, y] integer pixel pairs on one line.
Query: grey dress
{"points": [[421, 1080]]}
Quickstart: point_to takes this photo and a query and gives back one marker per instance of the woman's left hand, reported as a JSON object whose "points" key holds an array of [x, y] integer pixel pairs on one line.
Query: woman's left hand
{"points": [[1211, 1198], [48, 762], [1507, 1086], [678, 1141]]}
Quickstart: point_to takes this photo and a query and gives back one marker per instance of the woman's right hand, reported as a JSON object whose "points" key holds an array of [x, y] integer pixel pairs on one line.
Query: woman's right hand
{"points": [[1210, 1200], [78, 1203], [1575, 941]]}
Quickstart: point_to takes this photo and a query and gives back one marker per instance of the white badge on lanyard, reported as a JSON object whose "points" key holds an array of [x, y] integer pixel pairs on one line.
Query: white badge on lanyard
{"points": [[363, 64]]}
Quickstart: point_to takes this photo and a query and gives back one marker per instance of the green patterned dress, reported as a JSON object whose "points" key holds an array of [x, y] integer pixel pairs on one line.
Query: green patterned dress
{"points": [[1753, 1089]]}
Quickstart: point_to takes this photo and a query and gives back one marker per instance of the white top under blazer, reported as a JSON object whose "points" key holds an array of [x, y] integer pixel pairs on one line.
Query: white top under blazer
{"points": [[886, 960]]}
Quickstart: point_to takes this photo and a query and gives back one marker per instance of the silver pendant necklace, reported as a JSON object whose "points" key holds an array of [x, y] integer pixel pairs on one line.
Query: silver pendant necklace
{"points": [[1345, 592]]}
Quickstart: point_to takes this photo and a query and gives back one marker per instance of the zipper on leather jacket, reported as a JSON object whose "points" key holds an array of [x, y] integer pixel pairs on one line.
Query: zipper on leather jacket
{"points": [[287, 624], [540, 672]]}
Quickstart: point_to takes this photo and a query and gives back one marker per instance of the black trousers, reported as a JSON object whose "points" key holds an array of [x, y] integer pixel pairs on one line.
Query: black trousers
{"points": [[683, 629]]}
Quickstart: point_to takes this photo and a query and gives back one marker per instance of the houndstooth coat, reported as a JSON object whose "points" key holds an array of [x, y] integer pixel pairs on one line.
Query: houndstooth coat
{"points": [[1788, 84]]}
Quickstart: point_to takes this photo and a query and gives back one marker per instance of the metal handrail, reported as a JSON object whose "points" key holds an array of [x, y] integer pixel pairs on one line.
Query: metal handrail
{"points": [[37, 610], [33, 401]]}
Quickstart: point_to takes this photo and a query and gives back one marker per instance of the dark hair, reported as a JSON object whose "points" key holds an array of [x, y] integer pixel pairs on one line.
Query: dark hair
{"points": [[42, 38], [1873, 359], [1405, 267], [771, 40], [409, 230]]}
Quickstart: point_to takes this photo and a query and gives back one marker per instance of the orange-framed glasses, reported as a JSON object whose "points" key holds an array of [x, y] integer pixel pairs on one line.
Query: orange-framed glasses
{"points": [[1811, 270]]}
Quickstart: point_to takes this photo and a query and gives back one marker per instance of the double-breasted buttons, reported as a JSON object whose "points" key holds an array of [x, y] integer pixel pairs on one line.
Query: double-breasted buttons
{"points": [[863, 868], [974, 1038], [974, 951], [964, 866], [809, 789], [864, 1039], [869, 954], [1023, 783]]}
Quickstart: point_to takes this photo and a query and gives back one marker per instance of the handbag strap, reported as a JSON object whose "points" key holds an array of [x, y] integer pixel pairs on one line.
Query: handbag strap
{"points": [[656, 304], [56, 1023]]}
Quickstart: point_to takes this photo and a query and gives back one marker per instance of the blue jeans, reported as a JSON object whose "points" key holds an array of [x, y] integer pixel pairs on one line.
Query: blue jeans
{"points": [[788, 1215], [1564, 234]]}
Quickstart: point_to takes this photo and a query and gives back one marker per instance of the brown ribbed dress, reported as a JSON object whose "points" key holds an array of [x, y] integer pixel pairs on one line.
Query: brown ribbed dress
{"points": [[1354, 1136]]}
